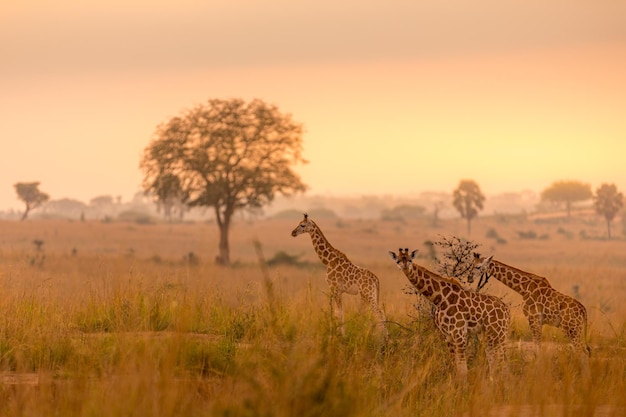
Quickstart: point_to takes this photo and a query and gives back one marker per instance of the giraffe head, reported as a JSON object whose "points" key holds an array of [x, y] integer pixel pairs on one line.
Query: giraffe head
{"points": [[480, 266], [305, 226], [404, 259]]}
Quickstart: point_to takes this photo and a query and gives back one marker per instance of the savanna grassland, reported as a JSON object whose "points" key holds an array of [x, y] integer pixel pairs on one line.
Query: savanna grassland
{"points": [[126, 319]]}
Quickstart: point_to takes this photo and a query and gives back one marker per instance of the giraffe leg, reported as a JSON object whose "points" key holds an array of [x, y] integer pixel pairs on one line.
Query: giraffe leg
{"points": [[457, 344], [460, 360], [378, 313], [337, 310], [535, 329], [494, 350], [491, 358]]}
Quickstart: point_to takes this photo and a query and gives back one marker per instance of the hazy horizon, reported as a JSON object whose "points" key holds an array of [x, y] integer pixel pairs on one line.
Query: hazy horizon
{"points": [[395, 97]]}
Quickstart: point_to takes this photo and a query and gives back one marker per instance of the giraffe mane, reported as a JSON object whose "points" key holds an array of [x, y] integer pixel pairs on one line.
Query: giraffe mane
{"points": [[521, 271], [449, 280]]}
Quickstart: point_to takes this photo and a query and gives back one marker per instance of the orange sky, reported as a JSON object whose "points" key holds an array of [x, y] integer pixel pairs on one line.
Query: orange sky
{"points": [[395, 97]]}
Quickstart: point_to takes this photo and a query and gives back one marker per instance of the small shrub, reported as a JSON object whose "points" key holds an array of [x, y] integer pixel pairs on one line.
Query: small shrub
{"points": [[191, 259], [283, 258], [136, 217], [530, 234], [565, 233], [492, 234], [457, 259]]}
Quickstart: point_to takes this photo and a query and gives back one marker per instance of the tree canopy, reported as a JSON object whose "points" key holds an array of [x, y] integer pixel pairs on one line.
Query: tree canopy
{"points": [[226, 154], [567, 192], [608, 202], [30, 194], [468, 200]]}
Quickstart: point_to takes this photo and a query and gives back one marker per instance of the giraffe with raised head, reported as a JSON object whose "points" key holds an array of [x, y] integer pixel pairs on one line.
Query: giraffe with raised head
{"points": [[459, 312], [342, 275], [541, 303]]}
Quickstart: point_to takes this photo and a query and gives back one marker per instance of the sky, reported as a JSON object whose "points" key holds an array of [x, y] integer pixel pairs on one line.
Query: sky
{"points": [[395, 96]]}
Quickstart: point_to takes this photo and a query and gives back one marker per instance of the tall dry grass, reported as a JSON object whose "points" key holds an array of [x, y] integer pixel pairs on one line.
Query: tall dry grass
{"points": [[118, 320]]}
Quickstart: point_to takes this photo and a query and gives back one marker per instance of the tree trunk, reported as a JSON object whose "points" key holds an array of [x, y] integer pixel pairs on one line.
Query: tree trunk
{"points": [[469, 226], [223, 223], [224, 256], [25, 213], [608, 228]]}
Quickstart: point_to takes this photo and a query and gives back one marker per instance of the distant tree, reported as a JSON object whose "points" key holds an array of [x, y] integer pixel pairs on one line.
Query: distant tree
{"points": [[468, 200], [438, 205], [65, 206], [230, 155], [169, 194], [30, 194], [102, 201], [608, 202], [567, 192], [103, 205]]}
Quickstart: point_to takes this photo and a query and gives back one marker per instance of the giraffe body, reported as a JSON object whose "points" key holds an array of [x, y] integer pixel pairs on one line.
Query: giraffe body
{"points": [[459, 312], [541, 303], [342, 275]]}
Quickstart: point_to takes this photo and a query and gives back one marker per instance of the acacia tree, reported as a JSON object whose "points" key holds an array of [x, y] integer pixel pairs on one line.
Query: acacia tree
{"points": [[567, 192], [229, 155], [468, 200], [30, 194], [608, 201]]}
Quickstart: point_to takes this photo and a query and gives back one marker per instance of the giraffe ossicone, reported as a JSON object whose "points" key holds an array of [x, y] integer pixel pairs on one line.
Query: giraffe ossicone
{"points": [[342, 275], [458, 312], [541, 303]]}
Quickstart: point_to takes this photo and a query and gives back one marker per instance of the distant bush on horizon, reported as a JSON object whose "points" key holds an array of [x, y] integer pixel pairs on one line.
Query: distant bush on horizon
{"points": [[136, 217], [402, 212]]}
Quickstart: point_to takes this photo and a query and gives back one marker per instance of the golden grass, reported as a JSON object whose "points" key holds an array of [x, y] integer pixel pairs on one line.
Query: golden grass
{"points": [[110, 320]]}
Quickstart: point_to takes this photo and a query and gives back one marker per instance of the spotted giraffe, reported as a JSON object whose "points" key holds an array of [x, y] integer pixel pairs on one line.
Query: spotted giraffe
{"points": [[342, 275], [459, 312], [541, 303]]}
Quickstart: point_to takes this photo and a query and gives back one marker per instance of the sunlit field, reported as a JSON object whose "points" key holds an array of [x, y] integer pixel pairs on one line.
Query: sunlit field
{"points": [[127, 319]]}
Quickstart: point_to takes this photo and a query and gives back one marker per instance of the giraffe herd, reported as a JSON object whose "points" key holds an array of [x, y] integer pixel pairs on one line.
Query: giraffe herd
{"points": [[458, 312]]}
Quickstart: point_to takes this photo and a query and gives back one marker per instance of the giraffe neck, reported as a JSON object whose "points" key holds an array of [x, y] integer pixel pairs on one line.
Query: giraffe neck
{"points": [[516, 279], [322, 246], [431, 285]]}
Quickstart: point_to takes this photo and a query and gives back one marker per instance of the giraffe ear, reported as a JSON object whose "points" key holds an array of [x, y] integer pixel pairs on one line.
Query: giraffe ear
{"points": [[393, 255], [413, 254], [489, 259]]}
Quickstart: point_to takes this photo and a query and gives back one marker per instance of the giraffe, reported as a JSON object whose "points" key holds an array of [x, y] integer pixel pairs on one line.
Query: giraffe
{"points": [[459, 312], [342, 275], [541, 303]]}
